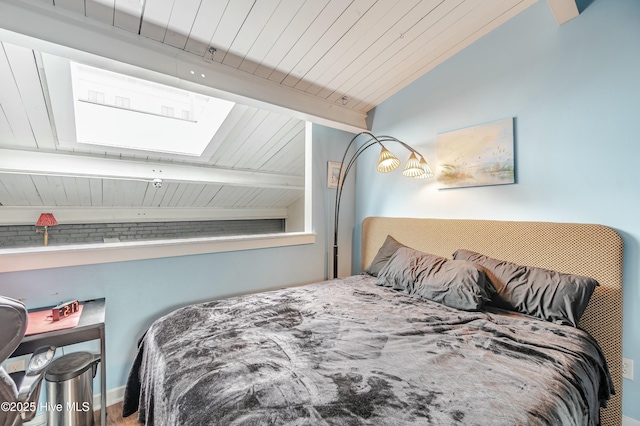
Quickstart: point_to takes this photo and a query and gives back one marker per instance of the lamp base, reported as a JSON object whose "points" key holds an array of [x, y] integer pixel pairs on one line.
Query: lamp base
{"points": [[46, 235]]}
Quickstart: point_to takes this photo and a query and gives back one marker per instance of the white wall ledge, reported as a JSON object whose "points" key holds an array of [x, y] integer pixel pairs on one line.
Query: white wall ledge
{"points": [[32, 258]]}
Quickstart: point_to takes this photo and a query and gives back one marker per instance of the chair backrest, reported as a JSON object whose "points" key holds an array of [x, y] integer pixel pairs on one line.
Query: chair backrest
{"points": [[13, 317]]}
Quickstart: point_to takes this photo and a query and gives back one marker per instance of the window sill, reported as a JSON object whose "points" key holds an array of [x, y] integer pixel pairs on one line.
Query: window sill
{"points": [[31, 258]]}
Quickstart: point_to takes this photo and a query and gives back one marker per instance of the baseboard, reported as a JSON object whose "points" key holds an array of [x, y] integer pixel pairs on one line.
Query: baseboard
{"points": [[114, 396], [628, 421]]}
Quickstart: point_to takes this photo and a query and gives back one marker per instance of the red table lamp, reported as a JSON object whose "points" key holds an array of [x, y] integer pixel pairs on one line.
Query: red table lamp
{"points": [[46, 220]]}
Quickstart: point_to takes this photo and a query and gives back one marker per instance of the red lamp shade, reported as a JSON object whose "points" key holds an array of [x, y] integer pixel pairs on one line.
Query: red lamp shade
{"points": [[46, 219]]}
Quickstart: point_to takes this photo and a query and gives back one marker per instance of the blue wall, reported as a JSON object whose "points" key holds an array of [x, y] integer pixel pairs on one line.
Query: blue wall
{"points": [[575, 92], [137, 292]]}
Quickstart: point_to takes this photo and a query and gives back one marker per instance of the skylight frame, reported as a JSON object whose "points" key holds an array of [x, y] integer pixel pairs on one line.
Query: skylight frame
{"points": [[102, 119]]}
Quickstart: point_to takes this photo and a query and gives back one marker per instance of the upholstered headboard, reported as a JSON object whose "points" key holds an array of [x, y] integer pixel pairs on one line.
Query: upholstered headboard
{"points": [[592, 250]]}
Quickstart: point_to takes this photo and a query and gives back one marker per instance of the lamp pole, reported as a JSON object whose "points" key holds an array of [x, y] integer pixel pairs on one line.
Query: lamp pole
{"points": [[344, 171]]}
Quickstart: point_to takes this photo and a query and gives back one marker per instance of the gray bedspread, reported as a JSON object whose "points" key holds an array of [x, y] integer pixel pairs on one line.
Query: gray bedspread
{"points": [[346, 352]]}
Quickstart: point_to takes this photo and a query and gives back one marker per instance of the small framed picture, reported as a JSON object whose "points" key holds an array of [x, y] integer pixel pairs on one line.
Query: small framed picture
{"points": [[333, 174]]}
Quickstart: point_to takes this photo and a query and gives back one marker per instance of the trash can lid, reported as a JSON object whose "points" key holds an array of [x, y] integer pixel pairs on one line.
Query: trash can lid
{"points": [[69, 366]]}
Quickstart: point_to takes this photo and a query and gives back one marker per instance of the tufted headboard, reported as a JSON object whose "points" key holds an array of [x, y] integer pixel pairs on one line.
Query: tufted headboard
{"points": [[592, 250]]}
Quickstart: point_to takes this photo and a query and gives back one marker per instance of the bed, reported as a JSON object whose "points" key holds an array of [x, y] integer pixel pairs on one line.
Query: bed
{"points": [[359, 351]]}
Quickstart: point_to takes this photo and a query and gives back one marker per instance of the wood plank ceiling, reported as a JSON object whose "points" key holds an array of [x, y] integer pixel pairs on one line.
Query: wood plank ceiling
{"points": [[261, 143], [364, 50], [352, 54]]}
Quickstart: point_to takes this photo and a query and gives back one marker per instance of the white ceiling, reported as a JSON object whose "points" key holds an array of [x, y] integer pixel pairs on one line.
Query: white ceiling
{"points": [[329, 61], [255, 163]]}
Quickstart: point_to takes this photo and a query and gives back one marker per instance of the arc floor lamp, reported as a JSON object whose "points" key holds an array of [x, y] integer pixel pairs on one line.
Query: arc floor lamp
{"points": [[416, 167]]}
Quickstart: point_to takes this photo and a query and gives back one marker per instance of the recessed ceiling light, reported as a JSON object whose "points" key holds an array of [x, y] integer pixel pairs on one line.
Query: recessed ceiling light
{"points": [[202, 75]]}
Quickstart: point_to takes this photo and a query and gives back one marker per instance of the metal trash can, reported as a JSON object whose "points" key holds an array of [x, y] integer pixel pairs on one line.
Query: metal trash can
{"points": [[70, 389]]}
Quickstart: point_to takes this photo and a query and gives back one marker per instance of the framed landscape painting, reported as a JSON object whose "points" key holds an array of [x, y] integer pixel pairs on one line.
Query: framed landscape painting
{"points": [[476, 156]]}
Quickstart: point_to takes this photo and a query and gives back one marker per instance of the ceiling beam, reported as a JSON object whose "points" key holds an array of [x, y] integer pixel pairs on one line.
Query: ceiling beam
{"points": [[564, 10], [42, 163], [57, 31]]}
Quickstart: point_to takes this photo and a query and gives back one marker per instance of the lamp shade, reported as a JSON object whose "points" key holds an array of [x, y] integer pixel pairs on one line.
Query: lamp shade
{"points": [[413, 167], [46, 219], [427, 170], [387, 161]]}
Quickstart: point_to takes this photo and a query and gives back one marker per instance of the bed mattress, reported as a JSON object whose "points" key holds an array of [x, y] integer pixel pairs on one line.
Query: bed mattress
{"points": [[348, 352]]}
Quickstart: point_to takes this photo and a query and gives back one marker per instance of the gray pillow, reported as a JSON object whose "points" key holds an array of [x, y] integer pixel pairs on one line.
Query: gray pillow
{"points": [[385, 252], [455, 283], [550, 295]]}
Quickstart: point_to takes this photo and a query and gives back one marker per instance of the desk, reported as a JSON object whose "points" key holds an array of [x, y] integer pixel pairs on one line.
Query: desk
{"points": [[90, 327]]}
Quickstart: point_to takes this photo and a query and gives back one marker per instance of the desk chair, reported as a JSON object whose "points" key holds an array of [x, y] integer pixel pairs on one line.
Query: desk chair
{"points": [[20, 390]]}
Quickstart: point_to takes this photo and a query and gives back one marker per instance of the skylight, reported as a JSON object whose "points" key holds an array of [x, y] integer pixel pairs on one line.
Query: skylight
{"points": [[117, 110]]}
